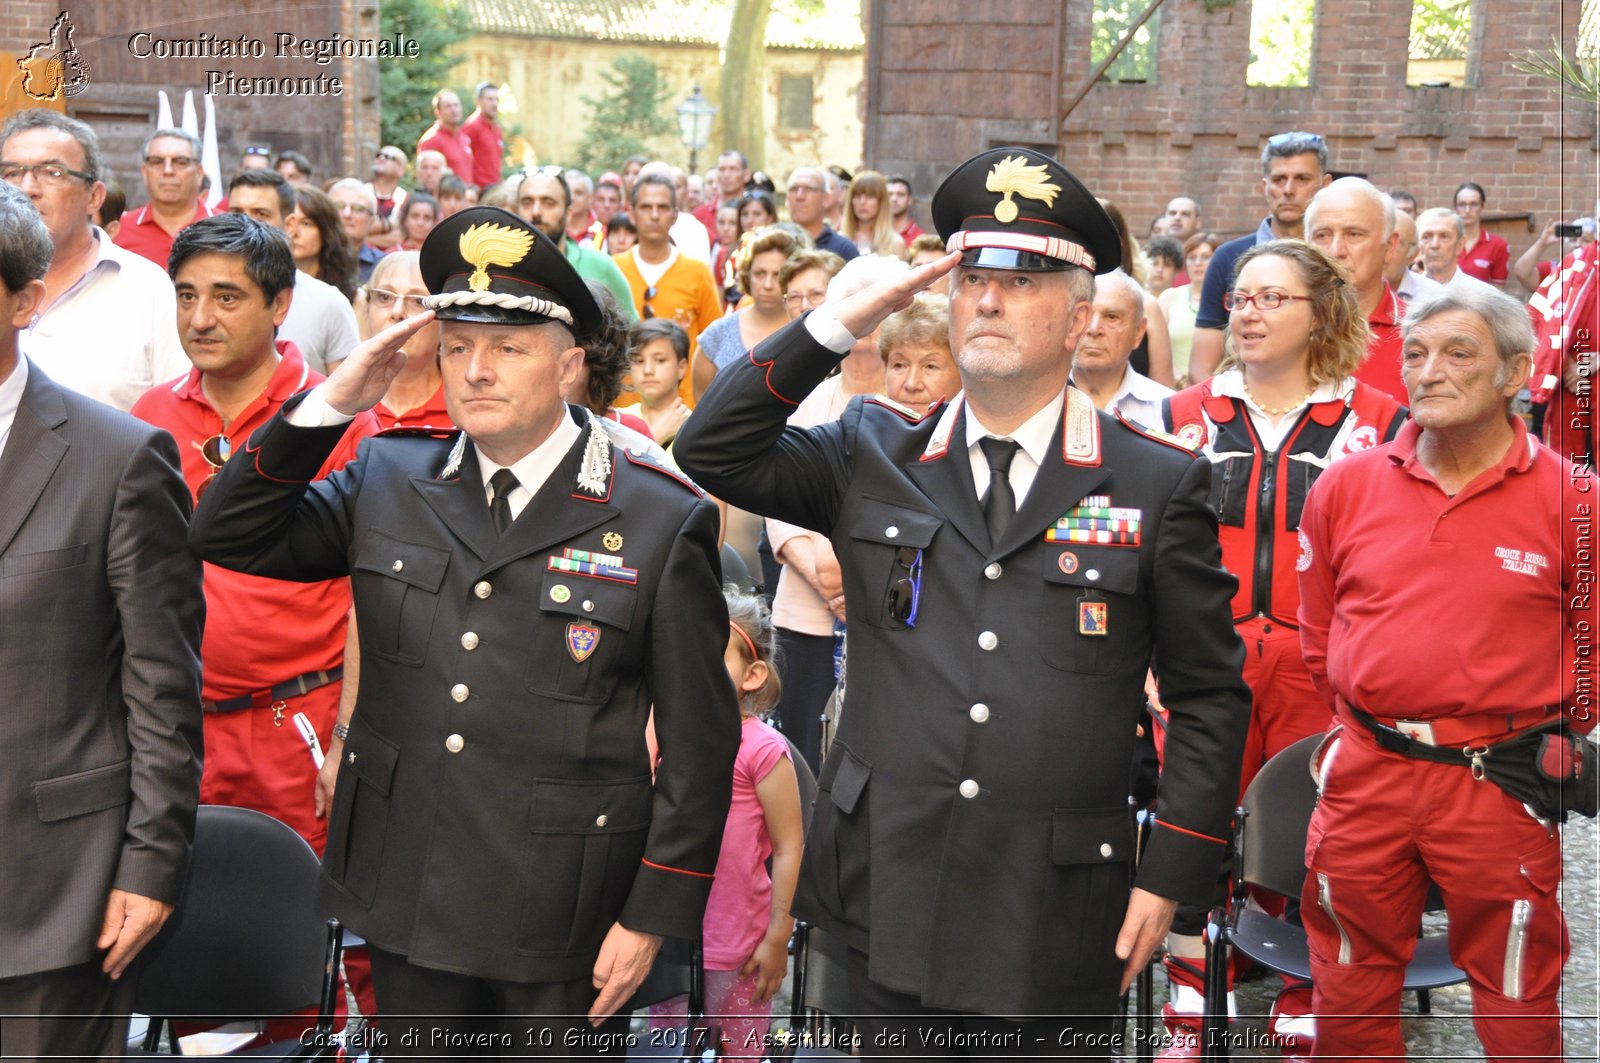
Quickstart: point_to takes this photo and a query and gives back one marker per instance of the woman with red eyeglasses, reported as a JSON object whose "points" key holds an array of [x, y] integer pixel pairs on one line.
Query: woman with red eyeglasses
{"points": [[1283, 405]]}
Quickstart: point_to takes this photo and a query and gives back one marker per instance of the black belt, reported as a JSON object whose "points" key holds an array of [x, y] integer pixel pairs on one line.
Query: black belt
{"points": [[293, 688]]}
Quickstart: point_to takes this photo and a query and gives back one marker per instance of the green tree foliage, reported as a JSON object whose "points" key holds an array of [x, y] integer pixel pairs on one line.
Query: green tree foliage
{"points": [[625, 120], [1111, 21], [1280, 42], [406, 86]]}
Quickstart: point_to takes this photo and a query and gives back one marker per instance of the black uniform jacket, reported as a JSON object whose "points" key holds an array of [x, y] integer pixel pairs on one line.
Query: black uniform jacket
{"points": [[494, 813], [973, 835]]}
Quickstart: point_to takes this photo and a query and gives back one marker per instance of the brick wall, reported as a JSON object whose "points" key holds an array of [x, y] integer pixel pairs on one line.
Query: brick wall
{"points": [[945, 81]]}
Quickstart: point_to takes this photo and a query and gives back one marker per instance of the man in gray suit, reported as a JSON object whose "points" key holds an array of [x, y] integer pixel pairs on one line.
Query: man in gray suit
{"points": [[101, 609]]}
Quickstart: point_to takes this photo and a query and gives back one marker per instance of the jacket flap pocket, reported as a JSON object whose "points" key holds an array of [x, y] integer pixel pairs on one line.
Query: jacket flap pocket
{"points": [[893, 525], [1092, 836], [1108, 568], [848, 779], [373, 758], [44, 560], [415, 563], [589, 598], [83, 792], [564, 806]]}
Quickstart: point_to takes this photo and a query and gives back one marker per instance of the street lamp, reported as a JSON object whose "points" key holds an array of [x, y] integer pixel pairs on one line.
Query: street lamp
{"points": [[694, 124]]}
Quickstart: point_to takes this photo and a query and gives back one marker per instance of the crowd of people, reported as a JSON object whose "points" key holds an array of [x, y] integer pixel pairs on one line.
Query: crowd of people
{"points": [[1144, 423]]}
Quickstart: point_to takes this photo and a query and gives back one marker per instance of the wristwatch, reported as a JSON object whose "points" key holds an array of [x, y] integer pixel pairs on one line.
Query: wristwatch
{"points": [[341, 731]]}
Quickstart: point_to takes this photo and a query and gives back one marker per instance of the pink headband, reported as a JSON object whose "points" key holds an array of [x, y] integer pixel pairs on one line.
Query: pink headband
{"points": [[749, 642]]}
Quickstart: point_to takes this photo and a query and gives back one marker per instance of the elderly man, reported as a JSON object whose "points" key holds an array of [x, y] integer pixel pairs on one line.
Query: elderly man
{"points": [[319, 322], [1441, 234], [1001, 563], [171, 169], [542, 198], [91, 281], [1465, 508], [358, 210], [1407, 283], [447, 137], [100, 679], [1293, 167], [805, 194], [1354, 223], [482, 129], [520, 569], [583, 226], [431, 169], [1100, 366]]}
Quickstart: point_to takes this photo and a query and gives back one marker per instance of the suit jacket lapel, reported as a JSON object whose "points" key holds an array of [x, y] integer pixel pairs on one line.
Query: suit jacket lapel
{"points": [[558, 512], [33, 452], [944, 474], [459, 502]]}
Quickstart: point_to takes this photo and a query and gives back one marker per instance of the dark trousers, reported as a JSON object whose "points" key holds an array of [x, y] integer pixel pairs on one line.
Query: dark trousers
{"points": [[891, 1023], [807, 685], [429, 1014], [72, 1013]]}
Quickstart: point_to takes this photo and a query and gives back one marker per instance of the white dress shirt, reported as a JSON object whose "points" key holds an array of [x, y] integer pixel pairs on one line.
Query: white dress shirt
{"points": [[11, 399], [1139, 399]]}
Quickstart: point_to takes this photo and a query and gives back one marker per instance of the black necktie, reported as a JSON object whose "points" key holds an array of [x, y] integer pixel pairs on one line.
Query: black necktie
{"points": [[500, 508], [999, 503]]}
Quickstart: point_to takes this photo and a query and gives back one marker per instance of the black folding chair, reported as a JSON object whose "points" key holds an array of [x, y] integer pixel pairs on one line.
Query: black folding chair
{"points": [[246, 941], [1269, 842], [679, 970]]}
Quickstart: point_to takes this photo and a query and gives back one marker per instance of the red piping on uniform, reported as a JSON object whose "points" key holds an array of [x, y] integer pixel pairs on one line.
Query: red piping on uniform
{"points": [[675, 870], [1191, 833]]}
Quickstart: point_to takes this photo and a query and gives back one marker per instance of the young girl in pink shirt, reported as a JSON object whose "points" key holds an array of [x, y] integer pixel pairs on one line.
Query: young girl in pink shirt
{"points": [[747, 924]]}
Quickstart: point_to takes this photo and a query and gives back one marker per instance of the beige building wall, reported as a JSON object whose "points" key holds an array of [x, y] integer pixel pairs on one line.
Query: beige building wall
{"points": [[549, 78]]}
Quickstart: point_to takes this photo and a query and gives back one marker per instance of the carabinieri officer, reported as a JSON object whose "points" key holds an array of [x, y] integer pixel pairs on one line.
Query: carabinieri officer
{"points": [[1012, 561], [526, 590]]}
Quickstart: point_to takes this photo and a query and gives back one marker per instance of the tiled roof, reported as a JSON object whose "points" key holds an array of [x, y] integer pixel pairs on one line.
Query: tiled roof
{"points": [[837, 27], [1440, 40]]}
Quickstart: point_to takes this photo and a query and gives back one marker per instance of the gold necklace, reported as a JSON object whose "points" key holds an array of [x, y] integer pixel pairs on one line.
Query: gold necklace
{"points": [[1268, 410]]}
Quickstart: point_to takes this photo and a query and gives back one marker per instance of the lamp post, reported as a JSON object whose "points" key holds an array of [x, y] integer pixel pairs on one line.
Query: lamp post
{"points": [[694, 124]]}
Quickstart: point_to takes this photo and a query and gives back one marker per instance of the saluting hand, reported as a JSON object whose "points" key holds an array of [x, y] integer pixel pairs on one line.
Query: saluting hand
{"points": [[865, 310], [361, 380]]}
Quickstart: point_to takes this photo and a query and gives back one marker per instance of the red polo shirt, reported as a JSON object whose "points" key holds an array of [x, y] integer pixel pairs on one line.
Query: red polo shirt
{"points": [[910, 232], [1488, 260], [259, 632], [431, 414], [1419, 605], [1382, 366], [454, 146], [488, 148], [143, 235]]}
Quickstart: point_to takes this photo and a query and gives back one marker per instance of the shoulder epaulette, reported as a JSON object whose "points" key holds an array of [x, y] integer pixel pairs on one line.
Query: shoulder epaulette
{"points": [[645, 461], [1160, 437], [899, 409]]}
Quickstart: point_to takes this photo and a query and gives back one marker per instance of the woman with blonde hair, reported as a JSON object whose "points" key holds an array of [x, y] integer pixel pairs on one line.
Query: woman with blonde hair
{"points": [[867, 218], [1284, 405]]}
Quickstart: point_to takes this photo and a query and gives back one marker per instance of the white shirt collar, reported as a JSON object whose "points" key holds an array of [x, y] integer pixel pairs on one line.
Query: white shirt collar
{"points": [[11, 389], [534, 467], [1230, 383], [1033, 435]]}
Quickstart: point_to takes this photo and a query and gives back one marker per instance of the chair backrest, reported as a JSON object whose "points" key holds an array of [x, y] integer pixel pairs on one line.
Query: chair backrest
{"points": [[1279, 801], [672, 975], [808, 784], [736, 571], [247, 938], [827, 987]]}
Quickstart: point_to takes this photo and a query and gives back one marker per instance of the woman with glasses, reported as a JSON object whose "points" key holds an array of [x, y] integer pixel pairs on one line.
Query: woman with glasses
{"points": [[758, 263], [317, 238], [867, 217], [1483, 254], [415, 398], [1283, 405]]}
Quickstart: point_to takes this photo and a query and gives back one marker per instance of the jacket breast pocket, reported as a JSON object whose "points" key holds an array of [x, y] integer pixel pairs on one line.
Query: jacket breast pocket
{"points": [[585, 841], [1090, 619], [44, 560], [888, 541], [1230, 487], [1088, 876], [396, 585], [583, 623]]}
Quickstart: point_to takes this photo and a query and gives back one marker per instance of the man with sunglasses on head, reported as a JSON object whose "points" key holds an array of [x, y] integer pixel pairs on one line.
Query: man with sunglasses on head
{"points": [[1013, 564], [543, 198], [55, 161], [171, 171], [273, 650], [1293, 167], [388, 166]]}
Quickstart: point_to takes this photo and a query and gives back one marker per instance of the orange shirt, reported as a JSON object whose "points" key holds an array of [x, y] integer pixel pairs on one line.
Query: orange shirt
{"points": [[686, 294]]}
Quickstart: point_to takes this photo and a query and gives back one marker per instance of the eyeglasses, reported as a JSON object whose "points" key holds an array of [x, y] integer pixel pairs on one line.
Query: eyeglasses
{"points": [[216, 450], [905, 596], [383, 299], [161, 162], [49, 174], [648, 311], [810, 190], [806, 300], [354, 208], [1268, 300], [1313, 141]]}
